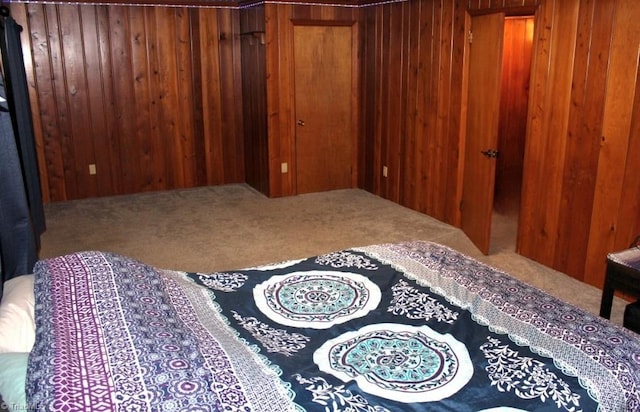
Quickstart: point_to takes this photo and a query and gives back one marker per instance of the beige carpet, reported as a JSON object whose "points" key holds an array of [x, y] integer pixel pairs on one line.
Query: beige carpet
{"points": [[233, 226]]}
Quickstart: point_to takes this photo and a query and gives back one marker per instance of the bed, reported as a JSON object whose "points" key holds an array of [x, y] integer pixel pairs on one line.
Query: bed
{"points": [[409, 326]]}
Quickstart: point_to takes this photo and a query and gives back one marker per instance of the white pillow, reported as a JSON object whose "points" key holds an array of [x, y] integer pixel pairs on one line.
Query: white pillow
{"points": [[17, 324], [13, 377]]}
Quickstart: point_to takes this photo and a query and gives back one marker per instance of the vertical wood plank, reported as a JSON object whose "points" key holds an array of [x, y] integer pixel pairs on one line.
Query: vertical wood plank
{"points": [[616, 129], [439, 87], [164, 93], [630, 198], [74, 66], [546, 138], [123, 84], [254, 99], [186, 157], [198, 104], [211, 101], [230, 99], [20, 13], [380, 149], [60, 99], [368, 92], [107, 142], [287, 102], [425, 131], [273, 93], [583, 135], [280, 97], [456, 138], [407, 185], [90, 76], [142, 143], [154, 94], [238, 163], [396, 89]]}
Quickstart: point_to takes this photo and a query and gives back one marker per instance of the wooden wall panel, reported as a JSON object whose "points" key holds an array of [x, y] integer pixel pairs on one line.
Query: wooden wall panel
{"points": [[547, 130], [211, 98], [53, 109], [395, 96], [416, 132], [583, 137], [447, 109], [185, 158], [628, 228], [28, 58], [120, 82], [367, 153], [613, 215], [153, 96], [279, 97], [254, 90], [231, 98], [578, 190], [150, 95]]}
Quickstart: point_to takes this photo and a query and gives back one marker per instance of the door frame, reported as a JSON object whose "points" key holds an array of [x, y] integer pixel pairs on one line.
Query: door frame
{"points": [[483, 116], [532, 11], [355, 96]]}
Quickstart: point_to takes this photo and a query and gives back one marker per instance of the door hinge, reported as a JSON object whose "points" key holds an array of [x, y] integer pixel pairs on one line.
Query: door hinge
{"points": [[470, 36], [490, 153]]}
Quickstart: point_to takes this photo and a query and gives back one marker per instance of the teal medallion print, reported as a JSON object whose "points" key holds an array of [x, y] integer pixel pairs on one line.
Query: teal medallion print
{"points": [[316, 299], [399, 362]]}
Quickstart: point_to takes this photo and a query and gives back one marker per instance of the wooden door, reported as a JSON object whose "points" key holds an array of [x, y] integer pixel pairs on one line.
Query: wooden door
{"points": [[483, 112], [324, 151]]}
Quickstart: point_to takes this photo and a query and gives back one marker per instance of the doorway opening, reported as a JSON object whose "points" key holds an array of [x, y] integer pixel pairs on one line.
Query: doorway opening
{"points": [[512, 130]]}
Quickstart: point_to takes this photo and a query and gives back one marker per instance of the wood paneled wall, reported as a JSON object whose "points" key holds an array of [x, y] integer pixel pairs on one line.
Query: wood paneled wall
{"points": [[149, 95], [580, 196], [615, 216], [254, 97], [153, 97], [413, 82]]}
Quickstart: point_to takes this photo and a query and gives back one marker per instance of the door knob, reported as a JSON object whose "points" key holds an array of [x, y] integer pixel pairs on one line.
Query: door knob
{"points": [[490, 153], [300, 122]]}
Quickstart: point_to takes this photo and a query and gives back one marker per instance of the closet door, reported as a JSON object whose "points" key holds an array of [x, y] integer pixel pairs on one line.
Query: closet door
{"points": [[324, 141]]}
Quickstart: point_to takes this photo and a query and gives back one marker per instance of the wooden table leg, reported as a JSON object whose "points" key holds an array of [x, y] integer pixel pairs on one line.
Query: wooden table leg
{"points": [[607, 301], [607, 294]]}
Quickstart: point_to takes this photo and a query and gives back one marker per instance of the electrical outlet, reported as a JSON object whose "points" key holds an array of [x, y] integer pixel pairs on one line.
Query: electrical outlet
{"points": [[92, 169], [284, 167], [385, 171]]}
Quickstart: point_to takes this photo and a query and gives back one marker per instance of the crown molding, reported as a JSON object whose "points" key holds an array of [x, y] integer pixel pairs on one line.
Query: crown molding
{"points": [[233, 4], [328, 3]]}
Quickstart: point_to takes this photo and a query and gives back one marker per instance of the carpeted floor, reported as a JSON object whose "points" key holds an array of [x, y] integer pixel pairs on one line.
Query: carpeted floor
{"points": [[233, 226]]}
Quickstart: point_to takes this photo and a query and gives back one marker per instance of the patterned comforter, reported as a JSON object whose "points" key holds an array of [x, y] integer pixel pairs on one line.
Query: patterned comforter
{"points": [[407, 326]]}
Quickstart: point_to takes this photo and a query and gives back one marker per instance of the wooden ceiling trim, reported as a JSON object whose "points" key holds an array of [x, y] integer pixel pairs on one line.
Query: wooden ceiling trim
{"points": [[138, 3], [327, 3], [234, 4]]}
